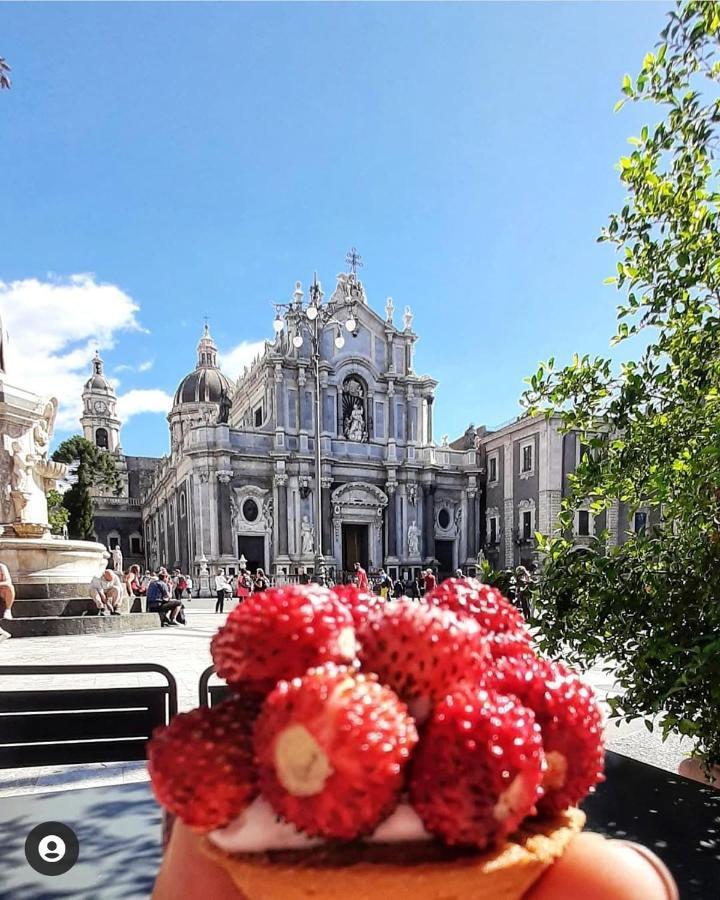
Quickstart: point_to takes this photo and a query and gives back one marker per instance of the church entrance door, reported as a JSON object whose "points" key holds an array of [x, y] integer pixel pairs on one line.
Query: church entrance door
{"points": [[444, 556], [354, 546], [253, 549]]}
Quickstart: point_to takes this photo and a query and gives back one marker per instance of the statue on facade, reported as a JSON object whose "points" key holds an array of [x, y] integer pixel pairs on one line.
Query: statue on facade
{"points": [[413, 540], [117, 560], [389, 310], [445, 442], [44, 428], [354, 424], [307, 537], [408, 319], [412, 494], [225, 405]]}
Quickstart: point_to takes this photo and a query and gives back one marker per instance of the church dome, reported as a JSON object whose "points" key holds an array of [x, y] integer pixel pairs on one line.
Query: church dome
{"points": [[206, 383], [97, 381]]}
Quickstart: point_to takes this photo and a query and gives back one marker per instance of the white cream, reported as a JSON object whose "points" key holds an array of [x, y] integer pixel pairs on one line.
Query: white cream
{"points": [[258, 830]]}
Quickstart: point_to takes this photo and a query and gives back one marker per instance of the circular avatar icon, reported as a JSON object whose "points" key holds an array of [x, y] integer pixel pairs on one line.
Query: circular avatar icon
{"points": [[52, 848]]}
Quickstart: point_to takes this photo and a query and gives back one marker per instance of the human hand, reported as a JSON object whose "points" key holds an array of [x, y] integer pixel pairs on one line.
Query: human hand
{"points": [[593, 868]]}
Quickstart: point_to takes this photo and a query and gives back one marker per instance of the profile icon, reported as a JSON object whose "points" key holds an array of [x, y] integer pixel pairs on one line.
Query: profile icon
{"points": [[52, 848]]}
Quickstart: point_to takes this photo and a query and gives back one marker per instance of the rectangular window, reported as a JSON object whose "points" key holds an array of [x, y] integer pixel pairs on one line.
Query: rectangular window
{"points": [[492, 469], [258, 416], [493, 530], [583, 523], [527, 525], [380, 420], [135, 546], [113, 542], [640, 522], [526, 463]]}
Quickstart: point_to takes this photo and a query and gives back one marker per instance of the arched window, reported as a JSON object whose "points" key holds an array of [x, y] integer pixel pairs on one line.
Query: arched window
{"points": [[101, 438], [354, 409]]}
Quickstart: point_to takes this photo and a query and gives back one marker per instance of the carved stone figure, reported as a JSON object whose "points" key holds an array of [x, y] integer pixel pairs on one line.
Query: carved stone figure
{"points": [[389, 310], [117, 559], [307, 537], [354, 425], [225, 405], [408, 319], [412, 494], [42, 432], [413, 540], [21, 466], [445, 442]]}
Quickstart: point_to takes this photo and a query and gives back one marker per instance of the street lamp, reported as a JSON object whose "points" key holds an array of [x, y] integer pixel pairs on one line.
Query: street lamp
{"points": [[311, 320]]}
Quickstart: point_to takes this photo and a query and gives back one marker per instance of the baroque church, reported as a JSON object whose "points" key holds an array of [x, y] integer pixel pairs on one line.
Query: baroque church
{"points": [[238, 486]]}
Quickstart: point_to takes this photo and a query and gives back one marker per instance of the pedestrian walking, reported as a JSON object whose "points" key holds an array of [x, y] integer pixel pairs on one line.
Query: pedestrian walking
{"points": [[223, 590]]}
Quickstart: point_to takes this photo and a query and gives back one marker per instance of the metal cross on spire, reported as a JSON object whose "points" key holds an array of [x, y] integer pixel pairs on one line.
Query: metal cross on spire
{"points": [[354, 260]]}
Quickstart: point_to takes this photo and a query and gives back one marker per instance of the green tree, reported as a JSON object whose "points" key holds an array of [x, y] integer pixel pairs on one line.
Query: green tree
{"points": [[653, 425], [90, 467], [57, 513]]}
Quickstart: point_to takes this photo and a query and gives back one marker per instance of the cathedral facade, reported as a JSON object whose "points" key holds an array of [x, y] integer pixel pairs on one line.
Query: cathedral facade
{"points": [[239, 484]]}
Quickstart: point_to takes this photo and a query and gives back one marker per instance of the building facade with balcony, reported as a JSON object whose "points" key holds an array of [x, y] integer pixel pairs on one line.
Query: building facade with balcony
{"points": [[238, 485]]}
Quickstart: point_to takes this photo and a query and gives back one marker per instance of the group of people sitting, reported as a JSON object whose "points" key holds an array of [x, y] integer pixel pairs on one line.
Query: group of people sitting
{"points": [[163, 593]]}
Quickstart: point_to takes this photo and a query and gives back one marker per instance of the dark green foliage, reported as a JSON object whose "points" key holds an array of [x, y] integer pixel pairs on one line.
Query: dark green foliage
{"points": [[91, 467], [57, 513], [652, 605]]}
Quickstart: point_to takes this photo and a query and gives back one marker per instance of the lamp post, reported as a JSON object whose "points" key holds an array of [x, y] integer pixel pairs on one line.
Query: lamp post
{"points": [[308, 321]]}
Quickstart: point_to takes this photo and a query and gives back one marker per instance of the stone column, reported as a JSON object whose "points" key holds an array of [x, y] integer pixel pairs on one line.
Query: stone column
{"points": [[327, 546], [223, 514], [392, 520], [430, 419], [282, 514], [471, 533], [429, 520]]}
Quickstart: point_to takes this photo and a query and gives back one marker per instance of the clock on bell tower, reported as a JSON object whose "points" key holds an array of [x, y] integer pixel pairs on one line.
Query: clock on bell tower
{"points": [[99, 419]]}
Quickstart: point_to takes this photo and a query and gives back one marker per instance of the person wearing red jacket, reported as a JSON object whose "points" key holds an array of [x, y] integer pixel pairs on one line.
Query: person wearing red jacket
{"points": [[362, 579]]}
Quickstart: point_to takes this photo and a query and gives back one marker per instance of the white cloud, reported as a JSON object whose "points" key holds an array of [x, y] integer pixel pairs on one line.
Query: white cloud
{"points": [[141, 367], [234, 360], [151, 400], [53, 329]]}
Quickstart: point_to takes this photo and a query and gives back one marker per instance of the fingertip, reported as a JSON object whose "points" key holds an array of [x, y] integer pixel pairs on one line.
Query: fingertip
{"points": [[595, 868]]}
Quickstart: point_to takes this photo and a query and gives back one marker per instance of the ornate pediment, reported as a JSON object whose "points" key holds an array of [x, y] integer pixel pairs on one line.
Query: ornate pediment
{"points": [[359, 494]]}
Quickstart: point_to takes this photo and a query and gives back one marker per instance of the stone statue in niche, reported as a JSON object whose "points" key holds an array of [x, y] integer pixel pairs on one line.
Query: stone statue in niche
{"points": [[307, 537], [117, 559], [353, 408], [412, 494], [413, 540], [355, 425]]}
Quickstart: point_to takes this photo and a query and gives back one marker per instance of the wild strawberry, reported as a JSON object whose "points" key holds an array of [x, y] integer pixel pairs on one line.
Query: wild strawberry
{"points": [[281, 633], [483, 603], [477, 771], [517, 643], [358, 602], [331, 749], [201, 764], [422, 652], [571, 723]]}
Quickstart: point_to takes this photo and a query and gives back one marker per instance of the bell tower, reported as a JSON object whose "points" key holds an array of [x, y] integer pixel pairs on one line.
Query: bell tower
{"points": [[99, 419]]}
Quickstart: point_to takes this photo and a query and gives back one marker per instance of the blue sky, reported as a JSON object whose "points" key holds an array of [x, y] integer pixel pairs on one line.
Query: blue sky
{"points": [[197, 159]]}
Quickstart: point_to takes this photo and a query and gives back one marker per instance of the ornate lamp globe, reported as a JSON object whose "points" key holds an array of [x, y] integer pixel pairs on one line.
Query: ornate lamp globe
{"points": [[339, 340], [297, 341], [312, 312], [351, 324], [278, 324]]}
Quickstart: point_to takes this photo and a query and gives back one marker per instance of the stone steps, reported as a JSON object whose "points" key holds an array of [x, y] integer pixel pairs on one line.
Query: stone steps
{"points": [[49, 626], [53, 607]]}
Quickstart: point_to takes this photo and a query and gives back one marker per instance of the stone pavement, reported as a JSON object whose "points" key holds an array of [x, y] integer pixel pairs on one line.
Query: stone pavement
{"points": [[186, 652]]}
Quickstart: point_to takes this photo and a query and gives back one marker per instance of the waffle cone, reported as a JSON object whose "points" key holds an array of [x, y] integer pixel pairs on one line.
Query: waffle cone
{"points": [[504, 873]]}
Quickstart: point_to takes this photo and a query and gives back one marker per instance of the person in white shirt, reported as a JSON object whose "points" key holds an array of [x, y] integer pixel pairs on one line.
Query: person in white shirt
{"points": [[107, 590], [223, 590], [7, 595]]}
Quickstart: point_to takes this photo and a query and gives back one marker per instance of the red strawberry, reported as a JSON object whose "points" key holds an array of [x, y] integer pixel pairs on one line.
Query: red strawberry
{"points": [[358, 602], [281, 633], [422, 652], [516, 643], [477, 771], [571, 723], [331, 749], [483, 603], [201, 764]]}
